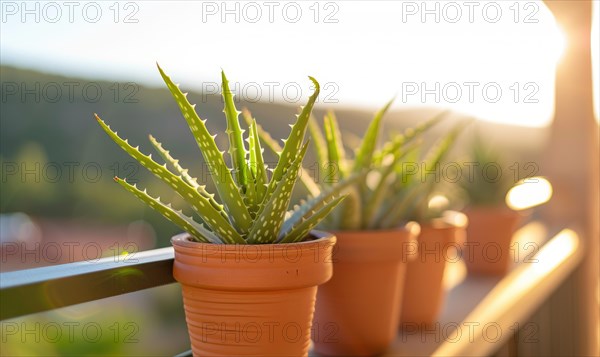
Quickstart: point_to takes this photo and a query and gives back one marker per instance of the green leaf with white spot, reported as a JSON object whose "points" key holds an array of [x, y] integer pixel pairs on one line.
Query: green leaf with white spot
{"points": [[307, 182], [300, 231], [272, 214], [197, 230], [294, 140], [250, 198], [201, 204], [302, 212], [221, 175], [253, 208], [237, 150], [166, 155], [257, 163], [264, 135]]}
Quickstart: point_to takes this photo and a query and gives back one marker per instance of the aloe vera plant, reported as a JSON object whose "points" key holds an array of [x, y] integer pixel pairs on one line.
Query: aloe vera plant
{"points": [[386, 197], [372, 177], [480, 189], [411, 192], [253, 202]]}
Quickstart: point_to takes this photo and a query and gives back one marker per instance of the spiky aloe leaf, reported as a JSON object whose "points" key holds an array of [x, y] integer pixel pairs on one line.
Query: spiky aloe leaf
{"points": [[229, 193], [256, 185], [335, 148], [300, 231], [407, 136], [365, 151], [257, 163], [439, 151], [432, 163], [201, 204], [194, 228], [271, 215], [294, 140], [271, 144], [237, 150], [378, 194], [413, 200], [319, 144], [350, 212], [402, 205], [250, 198], [405, 176], [166, 155], [303, 211], [264, 135], [481, 192]]}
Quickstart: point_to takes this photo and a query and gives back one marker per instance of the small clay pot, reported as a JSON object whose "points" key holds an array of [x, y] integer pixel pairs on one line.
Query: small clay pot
{"points": [[424, 291], [489, 236], [357, 310], [251, 300]]}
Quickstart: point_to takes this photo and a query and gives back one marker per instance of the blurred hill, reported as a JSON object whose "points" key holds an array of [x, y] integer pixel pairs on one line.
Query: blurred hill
{"points": [[57, 162]]}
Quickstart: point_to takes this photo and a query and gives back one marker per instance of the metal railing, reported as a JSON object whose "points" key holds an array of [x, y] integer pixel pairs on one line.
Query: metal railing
{"points": [[76, 283]]}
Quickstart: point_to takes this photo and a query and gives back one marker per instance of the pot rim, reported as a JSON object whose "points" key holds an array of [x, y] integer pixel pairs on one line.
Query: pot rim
{"points": [[253, 267], [412, 227], [500, 210], [182, 239], [376, 246]]}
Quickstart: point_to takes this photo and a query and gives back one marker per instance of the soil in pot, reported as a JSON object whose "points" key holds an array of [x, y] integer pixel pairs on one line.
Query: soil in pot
{"points": [[489, 236], [424, 291], [357, 310], [251, 300]]}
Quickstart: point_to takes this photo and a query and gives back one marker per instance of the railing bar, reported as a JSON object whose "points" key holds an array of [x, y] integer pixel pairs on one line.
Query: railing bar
{"points": [[61, 271], [35, 290]]}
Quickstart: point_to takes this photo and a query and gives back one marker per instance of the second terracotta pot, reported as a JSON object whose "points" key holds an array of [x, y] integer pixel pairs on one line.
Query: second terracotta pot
{"points": [[357, 310], [424, 291], [251, 300], [489, 236]]}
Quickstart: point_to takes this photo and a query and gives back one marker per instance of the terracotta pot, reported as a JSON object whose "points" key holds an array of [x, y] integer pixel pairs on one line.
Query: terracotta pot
{"points": [[489, 236], [357, 310], [251, 300], [424, 291]]}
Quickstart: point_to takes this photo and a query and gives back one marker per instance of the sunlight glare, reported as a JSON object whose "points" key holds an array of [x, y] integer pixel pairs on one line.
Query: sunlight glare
{"points": [[498, 69], [529, 193], [438, 202], [561, 246]]}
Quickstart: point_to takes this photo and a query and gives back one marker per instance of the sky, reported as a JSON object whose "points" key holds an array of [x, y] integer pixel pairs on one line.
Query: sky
{"points": [[491, 59]]}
